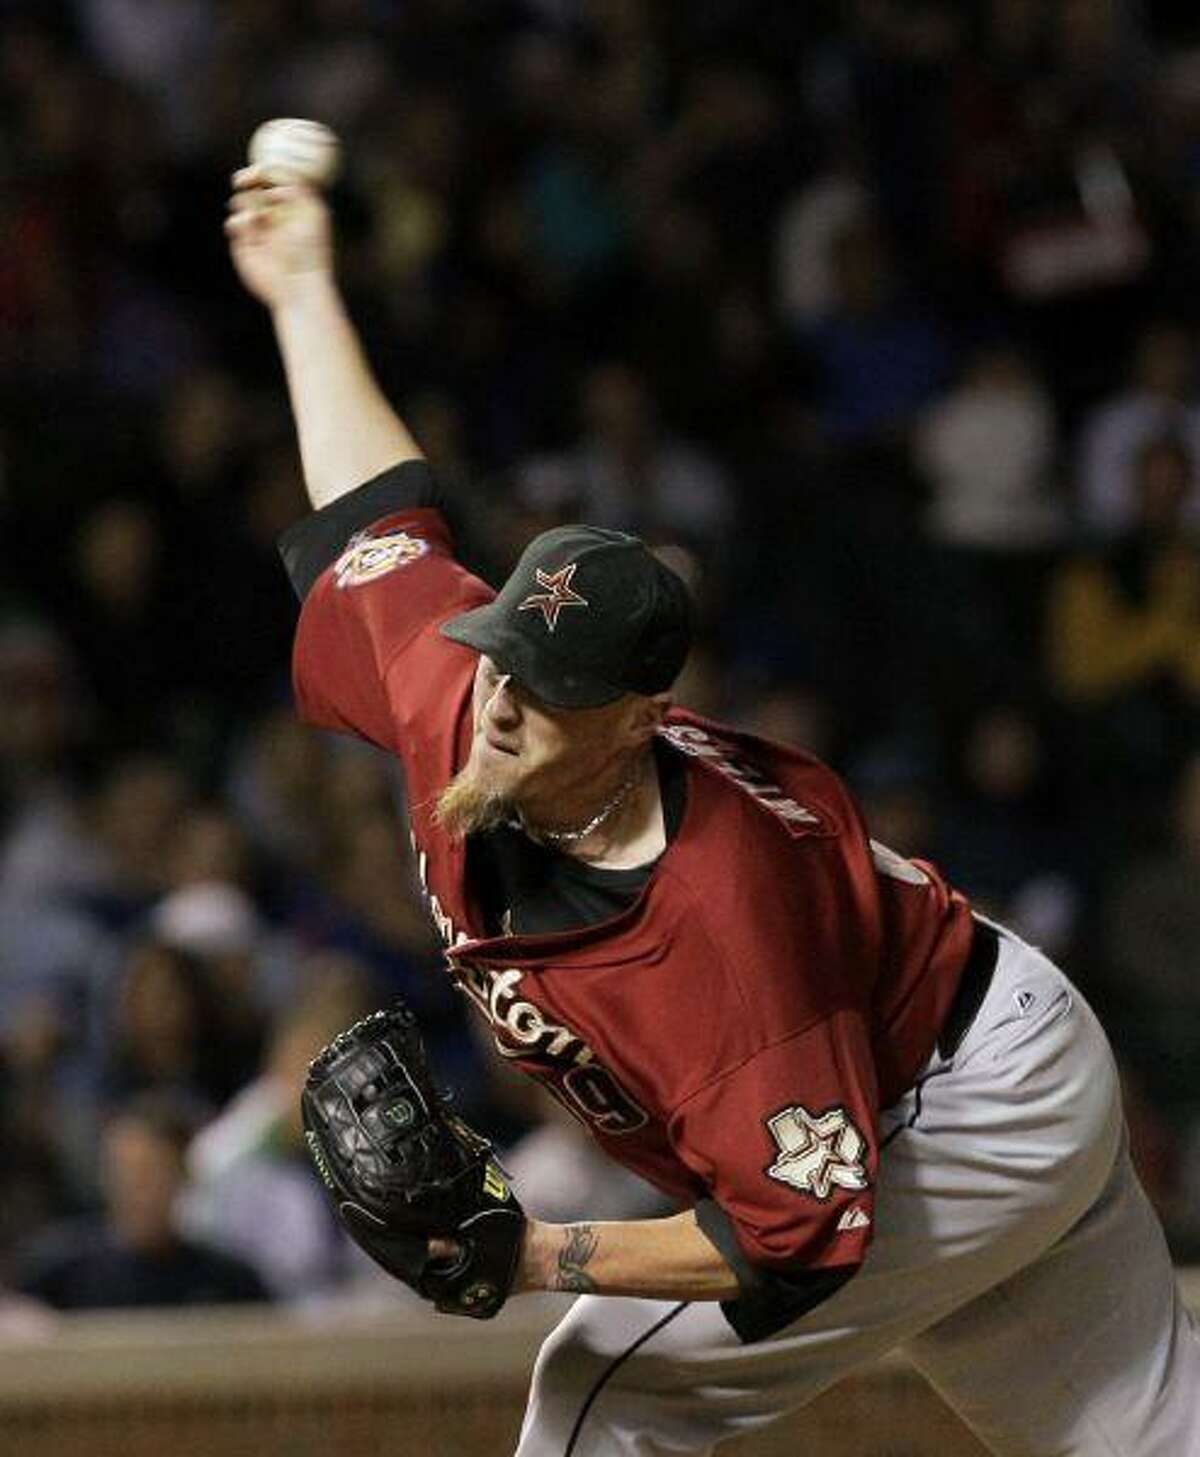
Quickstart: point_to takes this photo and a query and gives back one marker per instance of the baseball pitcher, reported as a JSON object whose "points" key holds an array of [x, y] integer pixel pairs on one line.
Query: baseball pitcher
{"points": [[887, 1123]]}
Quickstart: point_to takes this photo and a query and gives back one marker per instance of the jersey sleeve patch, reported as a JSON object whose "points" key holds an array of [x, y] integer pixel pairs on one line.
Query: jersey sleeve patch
{"points": [[817, 1152], [368, 557], [321, 538], [786, 1141]]}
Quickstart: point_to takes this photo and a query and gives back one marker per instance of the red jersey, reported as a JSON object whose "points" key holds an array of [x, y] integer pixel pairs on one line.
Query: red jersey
{"points": [[736, 1031]]}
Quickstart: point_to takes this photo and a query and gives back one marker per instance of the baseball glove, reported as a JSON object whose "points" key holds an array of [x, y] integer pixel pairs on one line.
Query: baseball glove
{"points": [[401, 1167]]}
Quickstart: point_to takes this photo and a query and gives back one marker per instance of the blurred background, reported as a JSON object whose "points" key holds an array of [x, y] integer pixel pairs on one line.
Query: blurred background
{"points": [[880, 318]]}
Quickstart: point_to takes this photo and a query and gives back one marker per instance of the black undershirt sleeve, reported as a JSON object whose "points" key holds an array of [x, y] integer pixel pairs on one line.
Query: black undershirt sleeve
{"points": [[316, 541], [768, 1300]]}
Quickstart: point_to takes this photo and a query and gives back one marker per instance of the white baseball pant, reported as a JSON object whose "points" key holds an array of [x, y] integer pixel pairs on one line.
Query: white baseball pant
{"points": [[1016, 1262]]}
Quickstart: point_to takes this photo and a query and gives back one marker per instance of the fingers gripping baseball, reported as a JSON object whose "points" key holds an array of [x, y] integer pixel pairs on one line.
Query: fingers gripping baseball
{"points": [[279, 236], [413, 1185]]}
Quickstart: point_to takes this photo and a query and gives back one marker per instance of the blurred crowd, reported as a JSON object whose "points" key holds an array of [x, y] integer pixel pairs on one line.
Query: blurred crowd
{"points": [[878, 318]]}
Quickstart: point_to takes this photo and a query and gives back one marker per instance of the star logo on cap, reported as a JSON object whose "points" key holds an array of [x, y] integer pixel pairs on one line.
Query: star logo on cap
{"points": [[558, 594]]}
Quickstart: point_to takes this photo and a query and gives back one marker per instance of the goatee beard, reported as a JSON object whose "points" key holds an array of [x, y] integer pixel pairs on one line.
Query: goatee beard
{"points": [[468, 807]]}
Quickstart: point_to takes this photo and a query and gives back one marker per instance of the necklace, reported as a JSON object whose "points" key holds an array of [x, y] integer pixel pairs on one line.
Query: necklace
{"points": [[561, 837]]}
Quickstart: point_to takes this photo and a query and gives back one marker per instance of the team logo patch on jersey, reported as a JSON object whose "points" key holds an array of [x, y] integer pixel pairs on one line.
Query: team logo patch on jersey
{"points": [[367, 557], [817, 1152], [558, 594]]}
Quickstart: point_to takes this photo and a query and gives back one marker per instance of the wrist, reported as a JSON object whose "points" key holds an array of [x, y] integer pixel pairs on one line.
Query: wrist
{"points": [[313, 289], [534, 1263]]}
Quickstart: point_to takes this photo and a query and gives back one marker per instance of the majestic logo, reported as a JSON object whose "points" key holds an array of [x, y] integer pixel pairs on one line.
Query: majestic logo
{"points": [[854, 1218], [367, 557], [817, 1152], [558, 594]]}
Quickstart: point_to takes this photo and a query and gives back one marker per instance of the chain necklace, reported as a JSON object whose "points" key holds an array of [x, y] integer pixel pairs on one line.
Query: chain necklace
{"points": [[606, 811]]}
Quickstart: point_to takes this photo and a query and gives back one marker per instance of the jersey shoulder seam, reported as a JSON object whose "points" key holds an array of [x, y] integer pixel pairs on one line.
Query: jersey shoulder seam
{"points": [[741, 1062], [694, 909], [430, 625]]}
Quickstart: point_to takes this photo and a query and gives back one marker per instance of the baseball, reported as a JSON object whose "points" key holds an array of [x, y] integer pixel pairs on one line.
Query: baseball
{"points": [[291, 149]]}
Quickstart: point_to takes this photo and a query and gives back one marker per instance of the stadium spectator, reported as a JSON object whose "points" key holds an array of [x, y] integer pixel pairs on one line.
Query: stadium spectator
{"points": [[253, 1192], [132, 1254], [389, 932], [563, 1175], [1003, 838], [46, 852], [275, 788], [39, 1187], [627, 471], [988, 449], [1160, 402], [130, 816], [123, 616], [880, 356], [1124, 644], [1152, 923], [161, 1025], [208, 844]]}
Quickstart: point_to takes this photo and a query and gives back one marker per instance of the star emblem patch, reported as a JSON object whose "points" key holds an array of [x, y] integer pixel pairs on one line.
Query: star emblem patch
{"points": [[817, 1152], [558, 594]]}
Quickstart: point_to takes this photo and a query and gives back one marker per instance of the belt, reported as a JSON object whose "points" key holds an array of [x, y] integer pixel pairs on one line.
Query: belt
{"points": [[972, 988]]}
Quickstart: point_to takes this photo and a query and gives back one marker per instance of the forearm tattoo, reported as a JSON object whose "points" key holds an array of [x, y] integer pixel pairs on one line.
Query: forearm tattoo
{"points": [[578, 1248]]}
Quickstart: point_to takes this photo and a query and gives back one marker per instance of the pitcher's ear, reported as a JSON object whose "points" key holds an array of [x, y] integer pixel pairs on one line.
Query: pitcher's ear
{"points": [[647, 712]]}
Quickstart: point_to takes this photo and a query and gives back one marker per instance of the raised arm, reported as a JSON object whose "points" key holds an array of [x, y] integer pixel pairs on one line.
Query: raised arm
{"points": [[280, 239]]}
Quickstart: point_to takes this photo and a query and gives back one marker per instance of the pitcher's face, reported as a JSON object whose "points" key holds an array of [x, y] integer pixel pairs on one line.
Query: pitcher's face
{"points": [[527, 747], [531, 758]]}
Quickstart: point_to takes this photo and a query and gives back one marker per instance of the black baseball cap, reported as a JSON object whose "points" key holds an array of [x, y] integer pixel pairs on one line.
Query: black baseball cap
{"points": [[586, 616]]}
